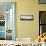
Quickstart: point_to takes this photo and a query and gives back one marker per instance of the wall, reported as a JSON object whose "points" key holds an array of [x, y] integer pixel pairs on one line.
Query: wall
{"points": [[28, 29]]}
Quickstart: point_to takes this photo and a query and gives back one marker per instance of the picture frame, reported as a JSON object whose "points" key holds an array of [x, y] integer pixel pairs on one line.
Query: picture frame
{"points": [[42, 1]]}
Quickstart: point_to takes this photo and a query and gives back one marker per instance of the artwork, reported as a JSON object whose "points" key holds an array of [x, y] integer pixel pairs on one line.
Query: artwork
{"points": [[42, 1]]}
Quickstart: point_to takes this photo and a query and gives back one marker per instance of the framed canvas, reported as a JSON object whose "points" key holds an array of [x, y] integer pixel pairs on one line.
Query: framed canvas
{"points": [[42, 1]]}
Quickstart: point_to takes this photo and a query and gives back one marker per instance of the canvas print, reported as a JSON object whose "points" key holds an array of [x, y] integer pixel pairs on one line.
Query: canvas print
{"points": [[42, 1]]}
